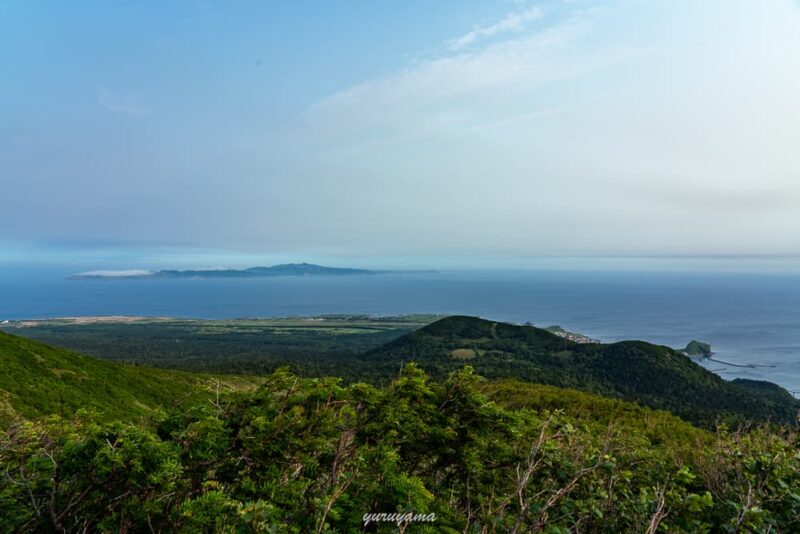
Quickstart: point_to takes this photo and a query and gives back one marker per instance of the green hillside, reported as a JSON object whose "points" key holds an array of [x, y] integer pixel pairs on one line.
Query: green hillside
{"points": [[654, 376], [38, 380], [316, 455], [311, 455], [598, 413]]}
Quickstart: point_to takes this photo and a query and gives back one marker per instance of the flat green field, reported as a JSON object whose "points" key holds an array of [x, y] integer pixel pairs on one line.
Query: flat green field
{"points": [[309, 345]]}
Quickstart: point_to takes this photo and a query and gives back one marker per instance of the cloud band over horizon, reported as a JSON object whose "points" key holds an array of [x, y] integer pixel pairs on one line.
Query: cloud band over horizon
{"points": [[553, 128]]}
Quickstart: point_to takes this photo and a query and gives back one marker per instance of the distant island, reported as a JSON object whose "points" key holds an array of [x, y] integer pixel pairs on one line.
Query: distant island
{"points": [[698, 349], [287, 269]]}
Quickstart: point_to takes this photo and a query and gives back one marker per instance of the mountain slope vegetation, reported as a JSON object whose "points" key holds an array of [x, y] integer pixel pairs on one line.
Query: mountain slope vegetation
{"points": [[313, 455], [38, 380], [652, 375], [318, 455], [373, 351]]}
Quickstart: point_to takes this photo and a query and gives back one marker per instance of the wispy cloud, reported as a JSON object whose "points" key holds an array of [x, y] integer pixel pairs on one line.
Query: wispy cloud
{"points": [[119, 104], [462, 91], [512, 22]]}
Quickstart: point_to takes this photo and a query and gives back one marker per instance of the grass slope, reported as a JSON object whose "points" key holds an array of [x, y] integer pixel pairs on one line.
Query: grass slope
{"points": [[654, 376], [599, 414], [39, 380]]}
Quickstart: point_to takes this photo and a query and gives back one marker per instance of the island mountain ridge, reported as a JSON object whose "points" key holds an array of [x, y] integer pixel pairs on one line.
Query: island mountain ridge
{"points": [[286, 269]]}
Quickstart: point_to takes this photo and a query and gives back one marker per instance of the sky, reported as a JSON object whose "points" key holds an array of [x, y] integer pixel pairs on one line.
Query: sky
{"points": [[156, 134]]}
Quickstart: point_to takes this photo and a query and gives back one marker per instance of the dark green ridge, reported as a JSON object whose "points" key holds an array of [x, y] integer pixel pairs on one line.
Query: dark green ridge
{"points": [[651, 375]]}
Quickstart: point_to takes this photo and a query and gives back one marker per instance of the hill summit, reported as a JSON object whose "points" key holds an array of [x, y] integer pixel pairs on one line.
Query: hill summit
{"points": [[651, 375]]}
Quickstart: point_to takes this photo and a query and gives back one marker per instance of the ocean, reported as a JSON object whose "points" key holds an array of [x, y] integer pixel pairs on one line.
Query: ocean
{"points": [[749, 319]]}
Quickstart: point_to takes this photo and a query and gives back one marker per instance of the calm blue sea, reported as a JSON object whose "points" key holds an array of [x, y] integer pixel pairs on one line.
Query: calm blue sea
{"points": [[748, 318]]}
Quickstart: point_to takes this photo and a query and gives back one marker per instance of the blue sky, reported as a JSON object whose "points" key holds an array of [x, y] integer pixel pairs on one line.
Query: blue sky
{"points": [[410, 132]]}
